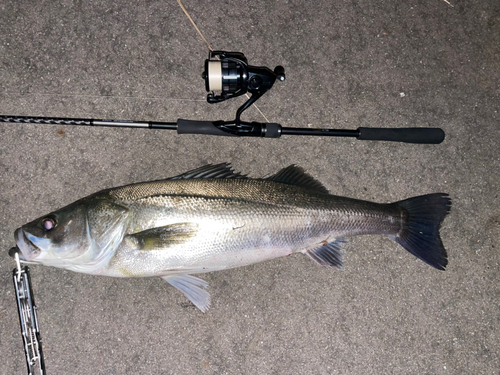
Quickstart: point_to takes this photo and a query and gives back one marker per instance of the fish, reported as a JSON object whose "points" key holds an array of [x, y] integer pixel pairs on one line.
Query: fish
{"points": [[213, 218]]}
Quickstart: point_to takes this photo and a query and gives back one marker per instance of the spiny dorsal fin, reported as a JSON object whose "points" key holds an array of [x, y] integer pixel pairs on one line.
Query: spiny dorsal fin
{"points": [[294, 175], [223, 170]]}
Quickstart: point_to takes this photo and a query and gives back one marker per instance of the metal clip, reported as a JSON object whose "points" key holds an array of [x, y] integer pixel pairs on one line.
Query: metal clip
{"points": [[28, 319]]}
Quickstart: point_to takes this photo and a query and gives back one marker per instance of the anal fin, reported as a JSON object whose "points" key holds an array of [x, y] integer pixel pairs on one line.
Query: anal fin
{"points": [[193, 288], [329, 254]]}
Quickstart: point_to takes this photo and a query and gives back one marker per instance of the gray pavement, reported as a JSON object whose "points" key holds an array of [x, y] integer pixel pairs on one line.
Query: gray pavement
{"points": [[349, 64]]}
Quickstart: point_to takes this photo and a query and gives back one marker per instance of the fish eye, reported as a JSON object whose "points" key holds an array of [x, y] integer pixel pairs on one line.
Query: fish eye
{"points": [[48, 224]]}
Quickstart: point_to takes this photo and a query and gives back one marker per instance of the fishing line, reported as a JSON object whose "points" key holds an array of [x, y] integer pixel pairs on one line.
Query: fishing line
{"points": [[210, 48], [228, 75], [132, 97], [194, 24], [101, 96], [137, 97]]}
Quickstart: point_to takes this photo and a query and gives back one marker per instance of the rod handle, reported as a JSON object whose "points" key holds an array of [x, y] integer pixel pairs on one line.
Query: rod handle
{"points": [[200, 127], [229, 128], [407, 135]]}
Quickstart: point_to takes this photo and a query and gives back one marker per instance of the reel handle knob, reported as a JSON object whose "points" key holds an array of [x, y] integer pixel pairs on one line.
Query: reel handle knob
{"points": [[280, 73]]}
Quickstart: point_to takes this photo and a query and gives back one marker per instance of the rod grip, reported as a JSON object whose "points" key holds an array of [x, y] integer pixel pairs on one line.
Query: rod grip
{"points": [[229, 129], [407, 135], [200, 127]]}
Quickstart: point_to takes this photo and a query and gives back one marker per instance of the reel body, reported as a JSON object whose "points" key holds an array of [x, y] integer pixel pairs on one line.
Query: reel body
{"points": [[229, 74]]}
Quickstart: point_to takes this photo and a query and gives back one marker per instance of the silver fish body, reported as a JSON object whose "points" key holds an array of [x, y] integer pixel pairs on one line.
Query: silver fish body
{"points": [[211, 219]]}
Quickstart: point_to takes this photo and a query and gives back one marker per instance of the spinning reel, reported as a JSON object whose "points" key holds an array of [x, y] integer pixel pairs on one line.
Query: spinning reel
{"points": [[230, 74]]}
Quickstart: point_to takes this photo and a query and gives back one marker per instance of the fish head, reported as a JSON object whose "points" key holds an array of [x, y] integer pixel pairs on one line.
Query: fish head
{"points": [[77, 237], [54, 238]]}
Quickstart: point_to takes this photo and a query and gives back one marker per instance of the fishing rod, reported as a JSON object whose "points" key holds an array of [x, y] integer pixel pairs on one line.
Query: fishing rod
{"points": [[229, 74]]}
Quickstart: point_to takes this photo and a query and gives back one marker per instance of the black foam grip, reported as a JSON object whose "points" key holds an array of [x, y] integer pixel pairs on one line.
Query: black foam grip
{"points": [[407, 135], [199, 127]]}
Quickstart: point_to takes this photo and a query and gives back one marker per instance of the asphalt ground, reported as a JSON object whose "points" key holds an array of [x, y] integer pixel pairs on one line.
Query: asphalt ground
{"points": [[348, 64]]}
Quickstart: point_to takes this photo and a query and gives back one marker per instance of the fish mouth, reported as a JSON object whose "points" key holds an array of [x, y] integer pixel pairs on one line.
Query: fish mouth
{"points": [[26, 250]]}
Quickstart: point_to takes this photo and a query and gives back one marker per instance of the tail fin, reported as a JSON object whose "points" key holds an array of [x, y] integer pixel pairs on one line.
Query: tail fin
{"points": [[420, 232]]}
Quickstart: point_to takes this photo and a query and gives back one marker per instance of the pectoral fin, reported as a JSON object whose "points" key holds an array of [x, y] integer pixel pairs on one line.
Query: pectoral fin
{"points": [[163, 237], [329, 254], [193, 288]]}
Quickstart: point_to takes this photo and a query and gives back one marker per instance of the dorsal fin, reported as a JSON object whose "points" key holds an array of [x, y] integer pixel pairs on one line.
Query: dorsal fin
{"points": [[294, 175], [223, 170]]}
